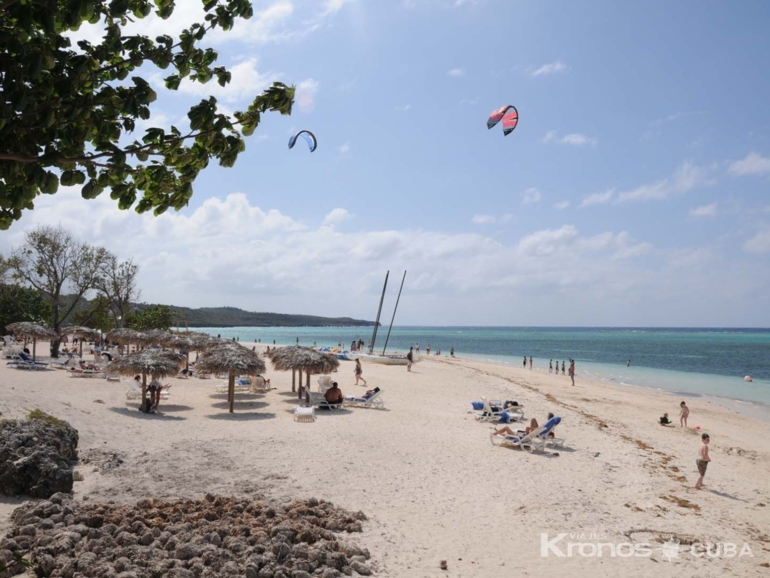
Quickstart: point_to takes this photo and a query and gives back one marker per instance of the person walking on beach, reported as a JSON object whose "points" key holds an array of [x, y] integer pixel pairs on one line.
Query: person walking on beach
{"points": [[684, 413], [562, 367], [358, 371], [427, 349], [550, 366], [572, 371], [703, 460], [409, 359], [525, 362], [530, 362]]}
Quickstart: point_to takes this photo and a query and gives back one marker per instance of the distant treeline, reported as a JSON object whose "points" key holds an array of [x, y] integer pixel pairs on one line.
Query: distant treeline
{"points": [[234, 317]]}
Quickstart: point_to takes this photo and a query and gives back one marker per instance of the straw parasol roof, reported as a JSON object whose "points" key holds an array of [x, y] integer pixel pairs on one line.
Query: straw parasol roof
{"points": [[297, 358], [33, 330], [235, 360], [155, 337], [82, 332], [153, 362], [125, 336], [79, 331], [29, 329]]}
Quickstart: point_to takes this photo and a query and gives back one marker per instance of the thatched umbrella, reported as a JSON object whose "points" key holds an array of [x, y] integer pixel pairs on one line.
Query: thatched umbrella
{"points": [[125, 336], [80, 333], [301, 359], [153, 362], [234, 359], [33, 330], [155, 337]]}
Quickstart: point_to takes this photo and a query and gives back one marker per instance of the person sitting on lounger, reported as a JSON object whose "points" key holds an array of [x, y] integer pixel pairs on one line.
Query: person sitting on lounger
{"points": [[333, 395], [533, 425], [83, 367]]}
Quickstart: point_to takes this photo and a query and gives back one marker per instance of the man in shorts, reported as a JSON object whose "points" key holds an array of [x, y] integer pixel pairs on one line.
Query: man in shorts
{"points": [[703, 460], [409, 359]]}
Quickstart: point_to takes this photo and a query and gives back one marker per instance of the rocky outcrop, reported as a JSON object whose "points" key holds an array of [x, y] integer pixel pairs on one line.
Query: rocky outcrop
{"points": [[206, 538], [36, 456]]}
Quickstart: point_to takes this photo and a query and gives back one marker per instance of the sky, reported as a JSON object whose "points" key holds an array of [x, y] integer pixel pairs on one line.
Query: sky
{"points": [[633, 192]]}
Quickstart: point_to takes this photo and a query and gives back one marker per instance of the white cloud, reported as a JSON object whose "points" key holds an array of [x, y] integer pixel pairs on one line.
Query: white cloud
{"points": [[305, 94], [551, 68], [531, 195], [404, 107], [285, 265], [344, 148], [687, 177], [336, 216], [759, 243], [704, 210], [469, 101], [560, 206], [574, 139], [456, 72], [245, 83], [488, 219], [597, 198], [753, 164]]}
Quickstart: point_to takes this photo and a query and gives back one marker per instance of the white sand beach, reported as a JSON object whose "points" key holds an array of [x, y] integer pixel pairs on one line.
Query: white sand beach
{"points": [[425, 473]]}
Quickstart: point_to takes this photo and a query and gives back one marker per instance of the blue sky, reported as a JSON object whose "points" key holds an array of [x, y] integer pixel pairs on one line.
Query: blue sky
{"points": [[633, 192]]}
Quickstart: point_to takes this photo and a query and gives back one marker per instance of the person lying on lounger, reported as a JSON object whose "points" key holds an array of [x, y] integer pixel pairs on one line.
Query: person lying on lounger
{"points": [[83, 366]]}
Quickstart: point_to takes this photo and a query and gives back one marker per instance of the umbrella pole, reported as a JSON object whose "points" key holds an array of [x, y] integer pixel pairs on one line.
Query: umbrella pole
{"points": [[307, 388], [231, 389], [144, 391], [293, 385], [34, 343], [81, 347]]}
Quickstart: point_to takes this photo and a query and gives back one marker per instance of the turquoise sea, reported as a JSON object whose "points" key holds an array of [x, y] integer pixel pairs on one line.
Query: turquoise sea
{"points": [[711, 362]]}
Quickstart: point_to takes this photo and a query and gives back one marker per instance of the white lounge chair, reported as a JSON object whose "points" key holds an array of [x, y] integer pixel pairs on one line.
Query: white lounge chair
{"points": [[259, 385], [324, 383], [373, 400], [533, 441], [319, 401], [304, 413]]}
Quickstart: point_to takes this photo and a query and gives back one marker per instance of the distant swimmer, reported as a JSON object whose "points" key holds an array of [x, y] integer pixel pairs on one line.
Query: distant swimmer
{"points": [[628, 363]]}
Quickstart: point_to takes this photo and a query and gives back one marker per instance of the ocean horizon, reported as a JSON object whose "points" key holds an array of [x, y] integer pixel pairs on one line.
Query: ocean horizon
{"points": [[690, 361]]}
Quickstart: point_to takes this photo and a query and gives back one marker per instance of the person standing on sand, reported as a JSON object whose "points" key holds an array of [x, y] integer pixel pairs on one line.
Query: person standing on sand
{"points": [[427, 349], [358, 371], [525, 362], [410, 359], [562, 368], [703, 460], [572, 371], [530, 362], [684, 413], [628, 363], [550, 366]]}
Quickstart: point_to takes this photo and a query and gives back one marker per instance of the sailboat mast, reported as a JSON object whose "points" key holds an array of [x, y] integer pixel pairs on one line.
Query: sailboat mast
{"points": [[379, 311], [394, 313]]}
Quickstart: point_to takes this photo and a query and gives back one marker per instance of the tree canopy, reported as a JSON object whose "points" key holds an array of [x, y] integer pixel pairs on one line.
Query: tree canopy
{"points": [[19, 303], [66, 114]]}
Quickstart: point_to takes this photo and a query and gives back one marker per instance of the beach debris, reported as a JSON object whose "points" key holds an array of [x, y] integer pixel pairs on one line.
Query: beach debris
{"points": [[212, 537], [98, 401], [77, 477], [36, 456], [443, 565], [112, 463]]}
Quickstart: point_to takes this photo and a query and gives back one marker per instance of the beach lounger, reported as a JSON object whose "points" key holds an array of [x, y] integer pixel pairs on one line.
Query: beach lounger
{"points": [[492, 410], [65, 364], [324, 383], [241, 386], [135, 390], [25, 362], [373, 400], [533, 441], [304, 413], [319, 401], [259, 385]]}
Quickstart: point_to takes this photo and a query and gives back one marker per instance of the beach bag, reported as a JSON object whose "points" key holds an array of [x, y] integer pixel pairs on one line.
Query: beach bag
{"points": [[477, 405], [505, 417]]}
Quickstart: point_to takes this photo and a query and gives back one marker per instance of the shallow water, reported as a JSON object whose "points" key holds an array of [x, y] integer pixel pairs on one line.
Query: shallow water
{"points": [[692, 362]]}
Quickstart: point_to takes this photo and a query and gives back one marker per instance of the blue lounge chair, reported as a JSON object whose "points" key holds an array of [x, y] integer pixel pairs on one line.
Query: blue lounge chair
{"points": [[534, 440], [26, 362]]}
